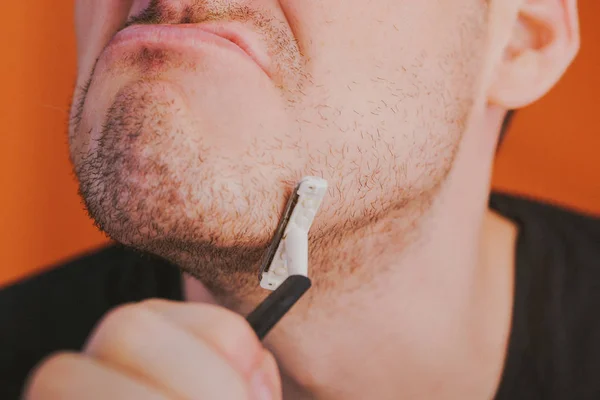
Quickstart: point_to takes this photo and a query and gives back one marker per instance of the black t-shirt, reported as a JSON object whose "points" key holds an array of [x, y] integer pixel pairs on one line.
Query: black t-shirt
{"points": [[554, 346]]}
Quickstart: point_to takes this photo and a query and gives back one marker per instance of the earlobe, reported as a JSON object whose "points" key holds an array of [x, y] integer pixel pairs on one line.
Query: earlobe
{"points": [[544, 42]]}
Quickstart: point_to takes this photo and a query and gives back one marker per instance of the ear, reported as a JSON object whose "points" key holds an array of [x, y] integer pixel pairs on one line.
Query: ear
{"points": [[544, 41]]}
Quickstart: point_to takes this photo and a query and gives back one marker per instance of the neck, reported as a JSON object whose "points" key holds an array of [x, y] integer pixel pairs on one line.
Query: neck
{"points": [[415, 329], [424, 324], [392, 318]]}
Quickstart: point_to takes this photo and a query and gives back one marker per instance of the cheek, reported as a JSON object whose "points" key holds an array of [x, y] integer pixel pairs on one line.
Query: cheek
{"points": [[390, 90], [353, 42]]}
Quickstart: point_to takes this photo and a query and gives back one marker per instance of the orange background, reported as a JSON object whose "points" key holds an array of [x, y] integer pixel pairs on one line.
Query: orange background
{"points": [[551, 152]]}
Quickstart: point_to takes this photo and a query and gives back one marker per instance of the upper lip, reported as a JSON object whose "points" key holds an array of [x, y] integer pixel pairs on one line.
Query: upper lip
{"points": [[234, 32]]}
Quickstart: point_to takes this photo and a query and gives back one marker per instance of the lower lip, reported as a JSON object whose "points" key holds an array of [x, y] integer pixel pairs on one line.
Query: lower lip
{"points": [[173, 36]]}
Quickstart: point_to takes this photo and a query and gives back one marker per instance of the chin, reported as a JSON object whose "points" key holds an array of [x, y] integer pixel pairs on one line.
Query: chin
{"points": [[158, 178]]}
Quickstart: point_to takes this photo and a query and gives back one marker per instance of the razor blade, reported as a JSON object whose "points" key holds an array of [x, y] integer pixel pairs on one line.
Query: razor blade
{"points": [[288, 253]]}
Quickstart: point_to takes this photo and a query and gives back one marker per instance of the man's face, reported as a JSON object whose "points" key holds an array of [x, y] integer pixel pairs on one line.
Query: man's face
{"points": [[187, 144]]}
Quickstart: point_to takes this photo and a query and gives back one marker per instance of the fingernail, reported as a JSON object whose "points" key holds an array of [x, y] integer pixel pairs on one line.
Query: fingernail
{"points": [[260, 383]]}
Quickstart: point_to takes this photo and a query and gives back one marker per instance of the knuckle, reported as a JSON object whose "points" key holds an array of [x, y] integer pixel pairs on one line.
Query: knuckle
{"points": [[231, 335], [153, 304], [234, 332], [226, 332], [122, 328], [49, 373]]}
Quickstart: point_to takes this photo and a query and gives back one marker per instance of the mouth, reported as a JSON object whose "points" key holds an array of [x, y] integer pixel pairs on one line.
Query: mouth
{"points": [[230, 36]]}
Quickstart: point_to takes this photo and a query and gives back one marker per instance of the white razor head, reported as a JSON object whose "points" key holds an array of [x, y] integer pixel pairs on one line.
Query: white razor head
{"points": [[288, 253]]}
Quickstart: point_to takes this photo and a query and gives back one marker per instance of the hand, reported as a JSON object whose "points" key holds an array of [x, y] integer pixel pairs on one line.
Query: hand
{"points": [[162, 350]]}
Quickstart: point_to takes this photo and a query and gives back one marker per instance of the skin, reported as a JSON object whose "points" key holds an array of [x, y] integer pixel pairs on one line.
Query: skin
{"points": [[191, 155]]}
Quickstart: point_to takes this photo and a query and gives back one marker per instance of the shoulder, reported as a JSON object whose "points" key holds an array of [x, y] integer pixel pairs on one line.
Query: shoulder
{"points": [[560, 246], [525, 212], [114, 274], [561, 236], [57, 309], [554, 348]]}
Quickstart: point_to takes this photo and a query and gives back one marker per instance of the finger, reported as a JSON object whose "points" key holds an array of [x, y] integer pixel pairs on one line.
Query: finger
{"points": [[228, 333], [146, 345], [273, 379], [70, 376]]}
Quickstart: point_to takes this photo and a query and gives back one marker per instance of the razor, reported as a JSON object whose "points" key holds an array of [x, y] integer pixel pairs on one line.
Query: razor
{"points": [[284, 269]]}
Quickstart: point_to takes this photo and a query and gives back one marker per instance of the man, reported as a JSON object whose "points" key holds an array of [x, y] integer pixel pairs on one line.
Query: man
{"points": [[193, 120]]}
